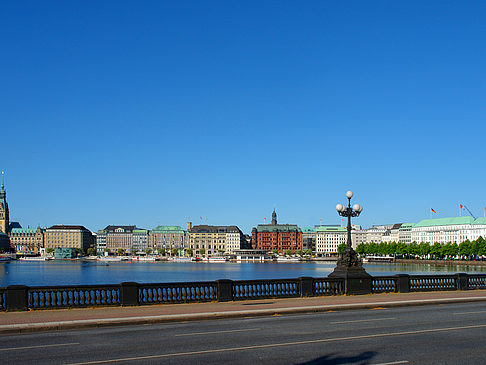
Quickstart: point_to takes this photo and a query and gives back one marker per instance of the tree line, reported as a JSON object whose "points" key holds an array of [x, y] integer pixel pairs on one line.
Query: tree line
{"points": [[467, 250]]}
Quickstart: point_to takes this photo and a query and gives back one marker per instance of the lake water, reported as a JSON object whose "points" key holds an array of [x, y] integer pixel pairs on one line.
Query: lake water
{"points": [[79, 273]]}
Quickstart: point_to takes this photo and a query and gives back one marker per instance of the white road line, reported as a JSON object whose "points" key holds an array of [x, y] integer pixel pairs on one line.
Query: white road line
{"points": [[279, 345], [364, 320], [458, 314], [39, 346], [393, 363], [213, 332]]}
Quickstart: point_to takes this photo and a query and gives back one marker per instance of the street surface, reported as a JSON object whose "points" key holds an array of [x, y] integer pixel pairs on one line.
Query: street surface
{"points": [[433, 334]]}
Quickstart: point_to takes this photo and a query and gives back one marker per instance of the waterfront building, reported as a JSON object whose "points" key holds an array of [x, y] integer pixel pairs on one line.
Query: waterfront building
{"points": [[117, 238], [140, 240], [309, 239], [392, 234], [328, 238], [100, 242], [168, 237], [405, 233], [215, 239], [444, 230], [27, 240], [68, 236], [4, 212], [276, 237]]}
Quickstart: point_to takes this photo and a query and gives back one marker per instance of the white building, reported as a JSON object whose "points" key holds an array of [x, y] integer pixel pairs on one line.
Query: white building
{"points": [[329, 238], [454, 229]]}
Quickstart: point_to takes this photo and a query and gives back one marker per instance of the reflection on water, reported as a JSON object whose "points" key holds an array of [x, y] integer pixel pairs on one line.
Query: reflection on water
{"points": [[76, 273]]}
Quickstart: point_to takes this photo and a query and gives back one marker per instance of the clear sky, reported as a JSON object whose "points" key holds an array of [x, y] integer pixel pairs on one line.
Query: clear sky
{"points": [[148, 113]]}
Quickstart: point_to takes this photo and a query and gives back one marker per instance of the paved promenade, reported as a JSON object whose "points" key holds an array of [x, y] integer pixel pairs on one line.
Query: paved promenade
{"points": [[17, 322]]}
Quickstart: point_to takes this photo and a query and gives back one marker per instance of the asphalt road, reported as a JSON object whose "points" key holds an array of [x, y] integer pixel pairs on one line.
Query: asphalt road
{"points": [[442, 334]]}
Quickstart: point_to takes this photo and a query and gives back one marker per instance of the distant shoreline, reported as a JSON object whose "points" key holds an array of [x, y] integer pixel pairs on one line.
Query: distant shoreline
{"points": [[441, 262]]}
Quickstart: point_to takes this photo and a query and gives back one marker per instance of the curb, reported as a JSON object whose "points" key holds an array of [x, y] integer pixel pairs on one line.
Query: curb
{"points": [[94, 323]]}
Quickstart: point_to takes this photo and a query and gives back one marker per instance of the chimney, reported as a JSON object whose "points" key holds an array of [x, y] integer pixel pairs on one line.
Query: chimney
{"points": [[189, 226]]}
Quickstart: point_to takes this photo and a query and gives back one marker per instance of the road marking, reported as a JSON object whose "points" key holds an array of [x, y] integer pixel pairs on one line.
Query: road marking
{"points": [[209, 333], [458, 314], [228, 349], [364, 320], [39, 346], [393, 363]]}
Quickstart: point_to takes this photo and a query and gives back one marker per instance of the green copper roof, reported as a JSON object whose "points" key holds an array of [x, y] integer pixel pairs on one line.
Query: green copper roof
{"points": [[23, 230], [278, 228], [308, 230], [452, 221], [331, 229], [168, 229], [407, 225], [140, 231], [480, 220]]}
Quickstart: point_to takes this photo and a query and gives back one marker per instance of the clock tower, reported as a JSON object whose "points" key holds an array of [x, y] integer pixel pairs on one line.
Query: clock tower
{"points": [[4, 214]]}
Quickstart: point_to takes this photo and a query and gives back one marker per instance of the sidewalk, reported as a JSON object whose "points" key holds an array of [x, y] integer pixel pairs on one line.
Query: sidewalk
{"points": [[42, 320]]}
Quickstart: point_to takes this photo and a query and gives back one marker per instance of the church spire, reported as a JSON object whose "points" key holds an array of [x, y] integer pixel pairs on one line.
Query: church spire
{"points": [[274, 217], [3, 181]]}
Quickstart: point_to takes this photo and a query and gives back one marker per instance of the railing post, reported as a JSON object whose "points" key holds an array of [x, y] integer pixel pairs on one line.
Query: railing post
{"points": [[306, 286], [224, 290], [129, 294], [403, 283], [462, 282], [16, 298]]}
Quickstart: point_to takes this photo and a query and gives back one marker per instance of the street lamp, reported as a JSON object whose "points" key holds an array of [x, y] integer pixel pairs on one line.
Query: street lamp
{"points": [[349, 265]]}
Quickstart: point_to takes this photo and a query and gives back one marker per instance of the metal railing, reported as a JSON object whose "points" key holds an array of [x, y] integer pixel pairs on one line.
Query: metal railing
{"points": [[19, 297]]}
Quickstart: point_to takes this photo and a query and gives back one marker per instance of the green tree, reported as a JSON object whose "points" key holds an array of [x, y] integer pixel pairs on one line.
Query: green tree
{"points": [[299, 252], [50, 250], [423, 249], [465, 249], [189, 251], [120, 252], [308, 252], [275, 252], [202, 251], [287, 252], [175, 252], [91, 251], [161, 251], [148, 251], [341, 248], [361, 248]]}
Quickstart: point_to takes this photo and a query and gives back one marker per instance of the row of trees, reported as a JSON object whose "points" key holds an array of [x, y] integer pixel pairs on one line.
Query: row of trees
{"points": [[468, 250]]}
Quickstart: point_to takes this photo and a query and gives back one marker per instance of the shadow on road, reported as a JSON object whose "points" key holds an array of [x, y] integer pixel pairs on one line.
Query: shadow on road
{"points": [[362, 359]]}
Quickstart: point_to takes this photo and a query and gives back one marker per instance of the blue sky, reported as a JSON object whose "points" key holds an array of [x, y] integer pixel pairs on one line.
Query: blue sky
{"points": [[151, 113]]}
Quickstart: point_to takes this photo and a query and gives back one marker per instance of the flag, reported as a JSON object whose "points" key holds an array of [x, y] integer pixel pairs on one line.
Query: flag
{"points": [[462, 206], [433, 211]]}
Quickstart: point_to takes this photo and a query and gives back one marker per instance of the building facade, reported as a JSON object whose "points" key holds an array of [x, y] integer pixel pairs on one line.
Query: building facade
{"points": [[27, 240], [329, 238], [309, 239], [215, 239], [276, 237], [141, 241], [68, 236], [167, 238], [444, 230], [114, 238]]}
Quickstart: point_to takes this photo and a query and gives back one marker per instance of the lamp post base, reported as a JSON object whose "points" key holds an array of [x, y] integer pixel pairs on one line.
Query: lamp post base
{"points": [[349, 267]]}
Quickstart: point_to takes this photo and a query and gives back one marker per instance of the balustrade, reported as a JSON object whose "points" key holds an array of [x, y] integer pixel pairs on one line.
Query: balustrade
{"points": [[19, 297]]}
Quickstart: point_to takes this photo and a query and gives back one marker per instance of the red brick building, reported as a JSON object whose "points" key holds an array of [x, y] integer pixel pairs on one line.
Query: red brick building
{"points": [[278, 237]]}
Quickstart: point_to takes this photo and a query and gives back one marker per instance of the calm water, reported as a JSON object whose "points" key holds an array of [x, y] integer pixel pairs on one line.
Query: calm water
{"points": [[67, 272]]}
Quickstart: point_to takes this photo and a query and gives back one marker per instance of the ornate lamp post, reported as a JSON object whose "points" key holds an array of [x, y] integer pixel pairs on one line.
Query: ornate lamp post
{"points": [[349, 265]]}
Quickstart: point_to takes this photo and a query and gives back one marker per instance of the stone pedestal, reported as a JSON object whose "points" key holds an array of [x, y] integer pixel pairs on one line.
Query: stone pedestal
{"points": [[349, 267]]}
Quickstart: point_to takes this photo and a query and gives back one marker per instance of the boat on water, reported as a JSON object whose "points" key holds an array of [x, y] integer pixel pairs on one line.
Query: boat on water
{"points": [[216, 259], [36, 258], [5, 258], [180, 259], [144, 258], [111, 259], [379, 259], [287, 259]]}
